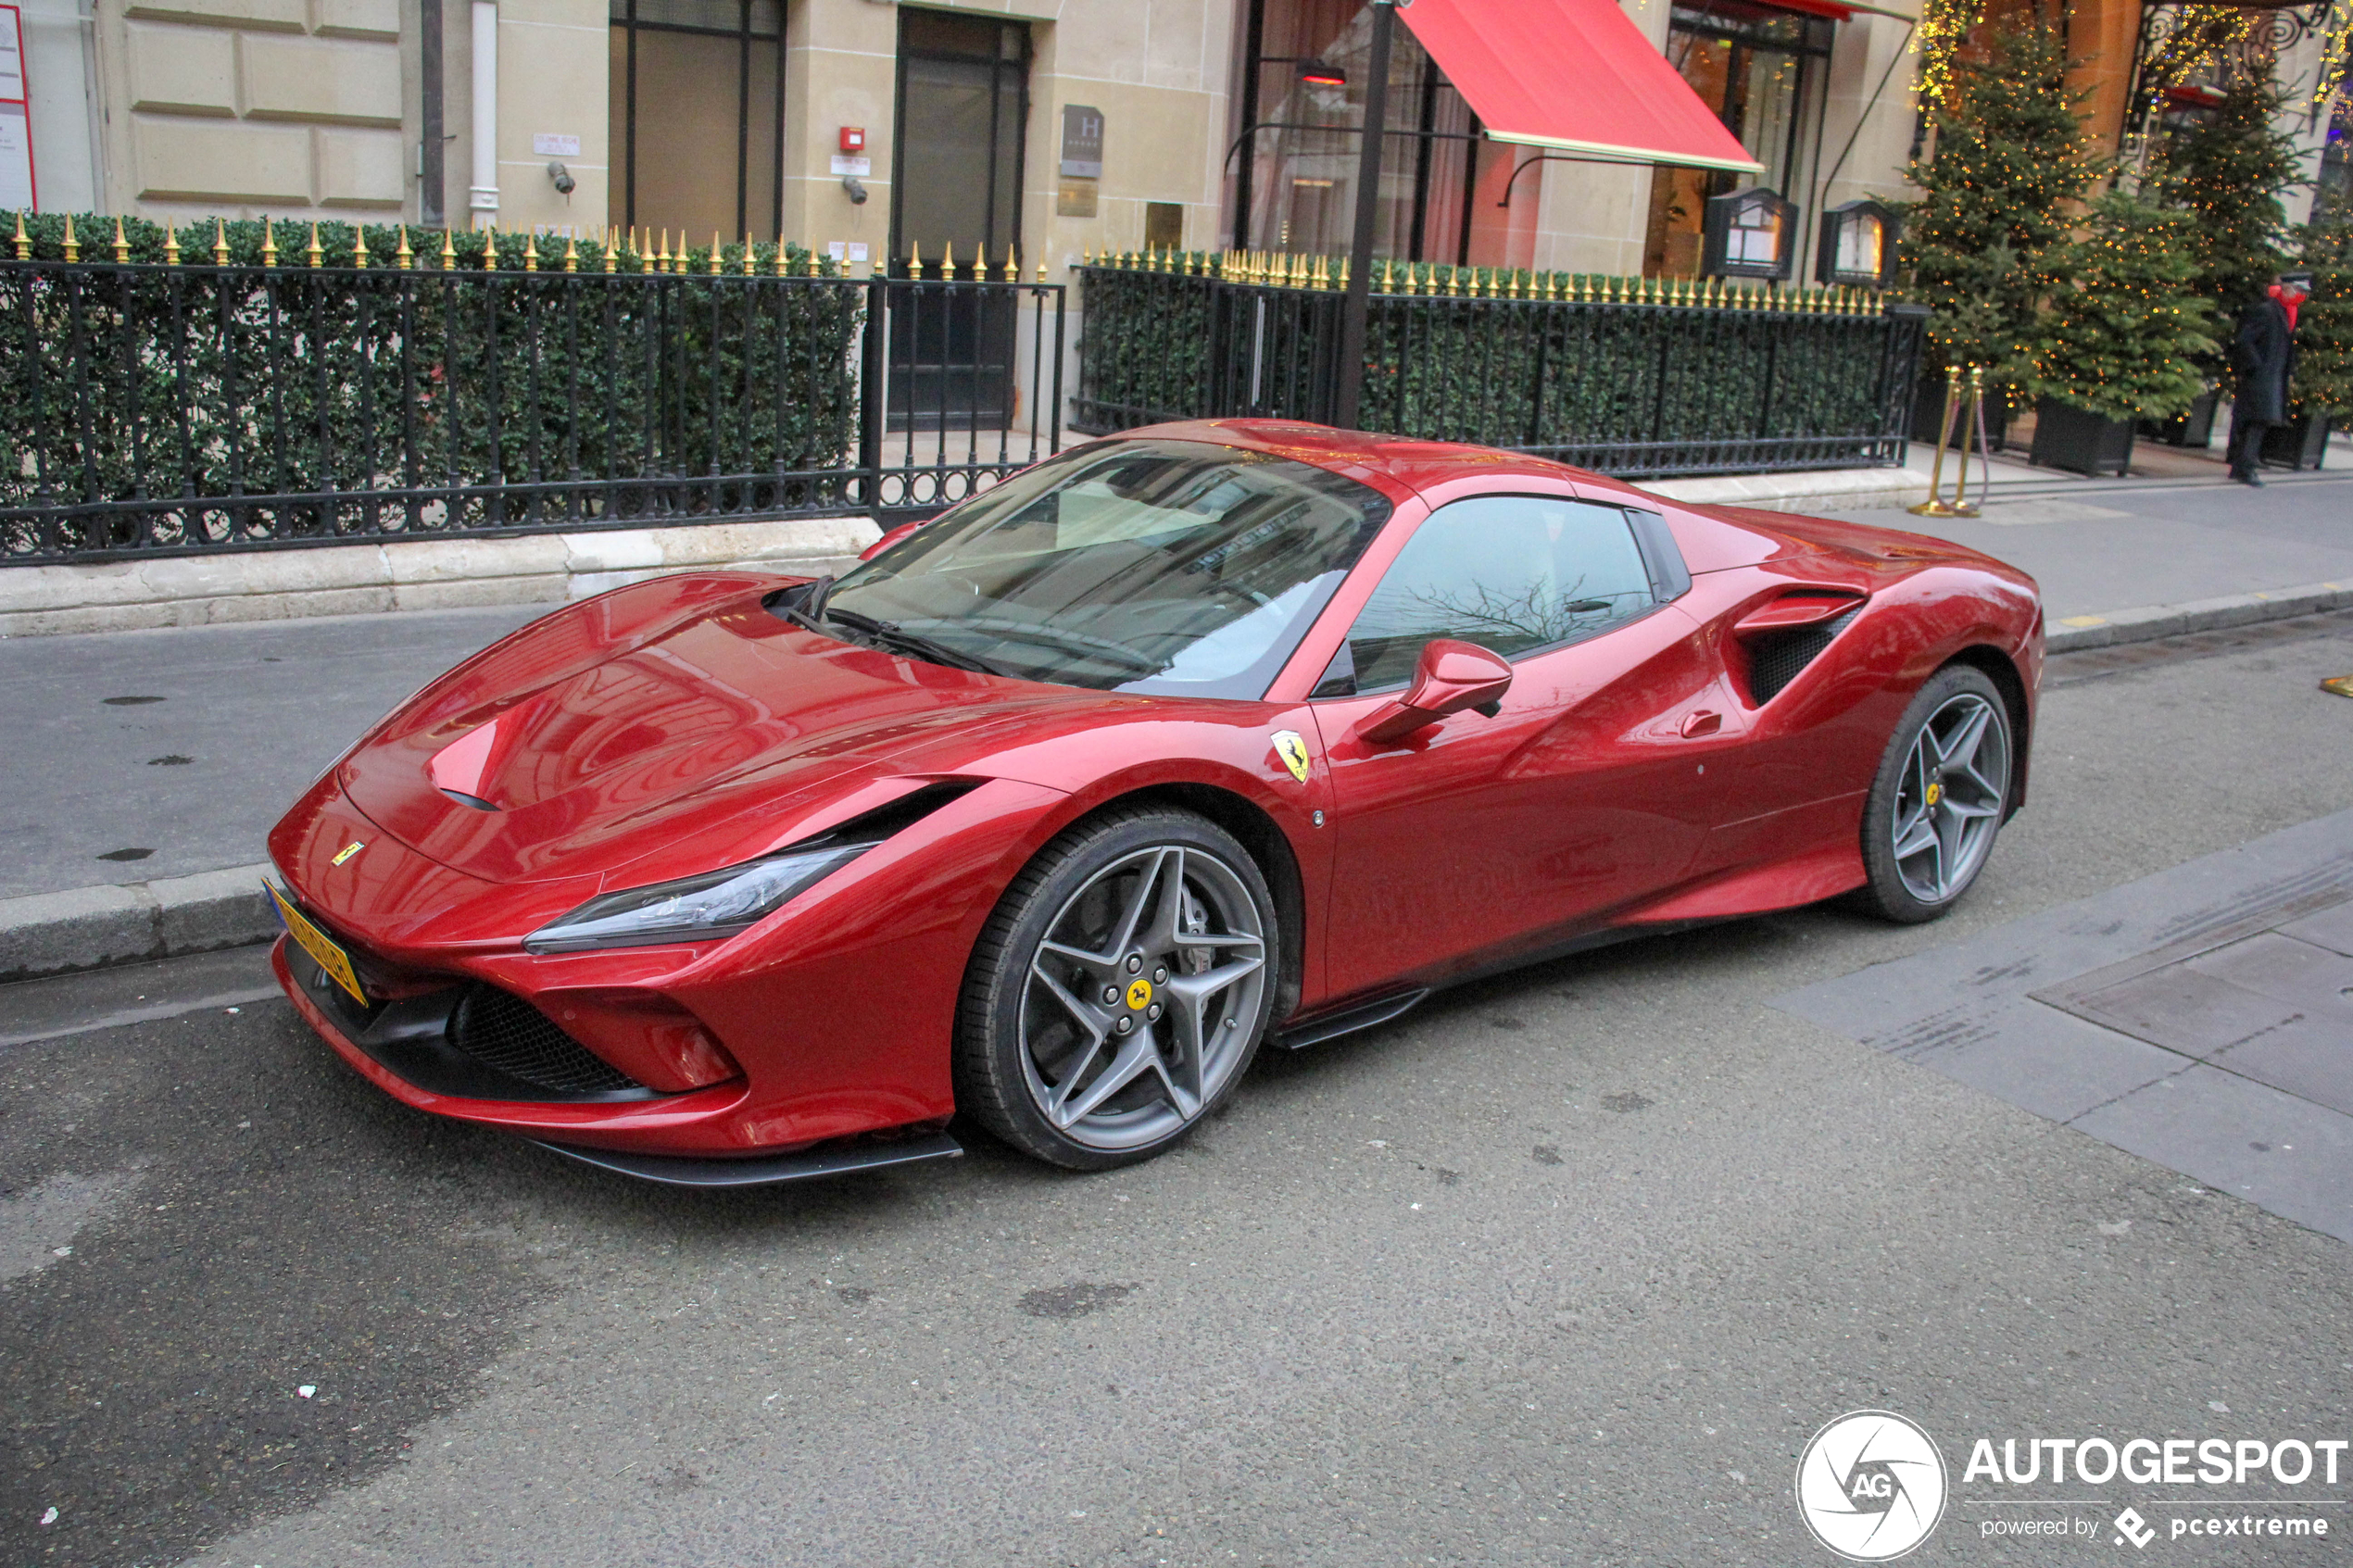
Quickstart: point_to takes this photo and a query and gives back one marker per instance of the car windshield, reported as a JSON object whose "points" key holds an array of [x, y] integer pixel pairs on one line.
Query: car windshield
{"points": [[1163, 566]]}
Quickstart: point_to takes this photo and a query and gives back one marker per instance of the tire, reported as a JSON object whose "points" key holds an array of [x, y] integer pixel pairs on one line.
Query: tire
{"points": [[1938, 800], [1091, 1048]]}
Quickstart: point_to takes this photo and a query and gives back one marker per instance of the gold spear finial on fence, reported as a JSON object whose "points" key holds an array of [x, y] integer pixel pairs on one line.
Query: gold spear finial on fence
{"points": [[530, 252], [359, 246], [121, 246], [73, 247], [314, 255], [611, 245], [571, 253], [23, 244], [490, 245], [714, 253], [781, 267], [448, 250], [268, 241], [219, 244], [170, 244], [1012, 267], [404, 257], [914, 260], [1041, 271], [661, 253], [751, 267]]}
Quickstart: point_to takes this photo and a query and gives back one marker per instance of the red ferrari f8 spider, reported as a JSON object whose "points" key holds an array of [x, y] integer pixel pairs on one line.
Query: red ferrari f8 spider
{"points": [[1056, 809]]}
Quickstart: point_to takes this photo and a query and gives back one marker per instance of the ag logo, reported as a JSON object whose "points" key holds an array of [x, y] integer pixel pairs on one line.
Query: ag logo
{"points": [[1294, 751], [1871, 1486]]}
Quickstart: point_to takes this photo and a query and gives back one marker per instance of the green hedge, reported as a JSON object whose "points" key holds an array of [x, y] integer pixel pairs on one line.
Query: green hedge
{"points": [[142, 398], [1637, 387]]}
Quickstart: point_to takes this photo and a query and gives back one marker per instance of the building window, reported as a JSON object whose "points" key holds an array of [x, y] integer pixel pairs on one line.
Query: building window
{"points": [[1756, 68], [698, 121], [1304, 78]]}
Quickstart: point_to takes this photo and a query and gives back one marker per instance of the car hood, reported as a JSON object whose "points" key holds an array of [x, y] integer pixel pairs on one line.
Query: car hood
{"points": [[676, 726]]}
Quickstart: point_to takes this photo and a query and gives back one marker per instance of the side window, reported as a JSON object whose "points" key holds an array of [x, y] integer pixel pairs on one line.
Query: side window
{"points": [[1511, 573]]}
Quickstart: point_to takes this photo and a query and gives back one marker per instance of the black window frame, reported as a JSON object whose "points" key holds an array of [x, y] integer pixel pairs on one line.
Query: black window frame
{"points": [[1020, 68], [1423, 133], [624, 14]]}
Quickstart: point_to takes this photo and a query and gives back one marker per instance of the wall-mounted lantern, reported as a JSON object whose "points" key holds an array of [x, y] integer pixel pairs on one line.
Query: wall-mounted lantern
{"points": [[1749, 234], [1857, 247]]}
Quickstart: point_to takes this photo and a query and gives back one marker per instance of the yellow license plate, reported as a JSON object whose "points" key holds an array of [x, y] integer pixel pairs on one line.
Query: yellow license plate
{"points": [[320, 946]]}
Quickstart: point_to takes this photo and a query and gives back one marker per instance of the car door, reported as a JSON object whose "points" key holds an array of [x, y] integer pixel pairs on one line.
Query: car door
{"points": [[1586, 789]]}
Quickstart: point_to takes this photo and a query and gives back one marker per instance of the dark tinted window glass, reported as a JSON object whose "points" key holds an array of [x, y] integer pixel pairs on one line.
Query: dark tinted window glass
{"points": [[1512, 573], [1173, 567]]}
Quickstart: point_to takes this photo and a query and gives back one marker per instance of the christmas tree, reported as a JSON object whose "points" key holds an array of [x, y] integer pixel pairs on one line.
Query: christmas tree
{"points": [[2324, 324], [2231, 172], [2010, 157], [2128, 324]]}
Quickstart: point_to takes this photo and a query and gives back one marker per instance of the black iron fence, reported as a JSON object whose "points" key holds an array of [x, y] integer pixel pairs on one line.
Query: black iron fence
{"points": [[1640, 378], [313, 395]]}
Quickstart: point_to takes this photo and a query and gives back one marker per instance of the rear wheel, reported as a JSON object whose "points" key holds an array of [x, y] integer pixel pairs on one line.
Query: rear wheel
{"points": [[1119, 991], [1936, 804]]}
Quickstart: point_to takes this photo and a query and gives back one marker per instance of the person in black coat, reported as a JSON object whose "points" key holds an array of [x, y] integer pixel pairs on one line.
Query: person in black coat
{"points": [[2263, 355]]}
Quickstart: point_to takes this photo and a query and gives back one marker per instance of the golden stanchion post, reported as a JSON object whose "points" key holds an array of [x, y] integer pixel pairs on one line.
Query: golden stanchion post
{"points": [[1934, 506], [1985, 450]]}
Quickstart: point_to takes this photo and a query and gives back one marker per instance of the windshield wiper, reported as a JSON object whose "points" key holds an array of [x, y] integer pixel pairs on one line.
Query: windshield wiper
{"points": [[804, 609], [897, 639]]}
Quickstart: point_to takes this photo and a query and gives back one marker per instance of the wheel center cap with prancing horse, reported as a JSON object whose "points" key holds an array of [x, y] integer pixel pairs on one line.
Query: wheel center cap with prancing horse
{"points": [[1140, 995]]}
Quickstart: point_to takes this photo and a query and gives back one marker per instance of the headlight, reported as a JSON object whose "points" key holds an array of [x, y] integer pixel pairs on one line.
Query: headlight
{"points": [[694, 909]]}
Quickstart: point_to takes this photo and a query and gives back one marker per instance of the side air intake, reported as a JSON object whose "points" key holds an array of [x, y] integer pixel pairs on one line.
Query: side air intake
{"points": [[1775, 658]]}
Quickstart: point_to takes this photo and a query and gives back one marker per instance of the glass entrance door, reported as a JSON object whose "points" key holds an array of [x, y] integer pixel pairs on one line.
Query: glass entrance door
{"points": [[955, 192]]}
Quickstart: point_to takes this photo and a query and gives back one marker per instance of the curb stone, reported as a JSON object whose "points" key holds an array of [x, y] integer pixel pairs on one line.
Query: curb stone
{"points": [[2075, 633], [95, 927]]}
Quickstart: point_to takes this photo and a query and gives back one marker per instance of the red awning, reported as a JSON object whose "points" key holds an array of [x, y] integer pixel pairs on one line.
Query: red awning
{"points": [[1574, 74]]}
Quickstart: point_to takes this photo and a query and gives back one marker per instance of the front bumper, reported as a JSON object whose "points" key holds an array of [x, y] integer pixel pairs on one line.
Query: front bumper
{"points": [[811, 1049]]}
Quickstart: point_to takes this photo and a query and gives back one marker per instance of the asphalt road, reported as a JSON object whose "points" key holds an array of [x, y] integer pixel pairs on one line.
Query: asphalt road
{"points": [[1564, 1268]]}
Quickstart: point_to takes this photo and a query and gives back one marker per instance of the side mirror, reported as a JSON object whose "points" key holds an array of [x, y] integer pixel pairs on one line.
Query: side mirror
{"points": [[1451, 677]]}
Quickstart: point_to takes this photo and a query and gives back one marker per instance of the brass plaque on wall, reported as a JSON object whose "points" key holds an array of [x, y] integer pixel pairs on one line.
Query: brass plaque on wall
{"points": [[1076, 198]]}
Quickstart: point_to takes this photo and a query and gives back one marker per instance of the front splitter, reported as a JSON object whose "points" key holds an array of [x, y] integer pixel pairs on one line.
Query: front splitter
{"points": [[838, 1160]]}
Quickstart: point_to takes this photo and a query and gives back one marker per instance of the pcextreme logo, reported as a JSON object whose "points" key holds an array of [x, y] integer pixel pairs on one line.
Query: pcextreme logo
{"points": [[1871, 1486]]}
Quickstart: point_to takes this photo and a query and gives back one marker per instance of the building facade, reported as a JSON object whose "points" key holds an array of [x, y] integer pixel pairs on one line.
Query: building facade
{"points": [[1039, 127]]}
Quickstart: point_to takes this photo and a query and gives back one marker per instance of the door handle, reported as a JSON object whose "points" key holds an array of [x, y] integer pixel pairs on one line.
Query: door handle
{"points": [[1701, 722]]}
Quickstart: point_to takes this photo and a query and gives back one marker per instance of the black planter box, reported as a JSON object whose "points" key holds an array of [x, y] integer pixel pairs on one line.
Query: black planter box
{"points": [[2194, 427], [2067, 437], [2300, 444], [1927, 408]]}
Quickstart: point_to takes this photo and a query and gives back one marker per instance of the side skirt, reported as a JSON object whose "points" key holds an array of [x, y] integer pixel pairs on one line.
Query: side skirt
{"points": [[1332, 1025]]}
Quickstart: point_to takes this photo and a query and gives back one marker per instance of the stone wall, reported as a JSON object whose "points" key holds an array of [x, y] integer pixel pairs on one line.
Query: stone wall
{"points": [[246, 107]]}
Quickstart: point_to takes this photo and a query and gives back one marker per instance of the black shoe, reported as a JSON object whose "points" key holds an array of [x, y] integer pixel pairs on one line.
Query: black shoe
{"points": [[2249, 478]]}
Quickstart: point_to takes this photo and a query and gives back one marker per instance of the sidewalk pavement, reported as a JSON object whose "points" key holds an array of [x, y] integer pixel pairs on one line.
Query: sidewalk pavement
{"points": [[146, 767]]}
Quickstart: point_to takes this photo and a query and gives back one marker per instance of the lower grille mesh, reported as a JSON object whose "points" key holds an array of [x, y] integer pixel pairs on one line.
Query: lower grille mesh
{"points": [[1774, 660], [507, 1033]]}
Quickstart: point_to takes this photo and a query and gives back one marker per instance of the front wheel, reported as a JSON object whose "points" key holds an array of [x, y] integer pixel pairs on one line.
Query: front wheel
{"points": [[1938, 800], [1119, 991]]}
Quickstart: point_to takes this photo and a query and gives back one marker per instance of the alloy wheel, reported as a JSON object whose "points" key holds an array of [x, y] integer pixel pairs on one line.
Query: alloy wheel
{"points": [[1143, 997], [1948, 804]]}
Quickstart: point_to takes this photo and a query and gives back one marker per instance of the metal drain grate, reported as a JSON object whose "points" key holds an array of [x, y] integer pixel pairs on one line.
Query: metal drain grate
{"points": [[505, 1032]]}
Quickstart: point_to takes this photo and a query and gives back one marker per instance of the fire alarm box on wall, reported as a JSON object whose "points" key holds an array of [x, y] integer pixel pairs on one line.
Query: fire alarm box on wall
{"points": [[853, 138]]}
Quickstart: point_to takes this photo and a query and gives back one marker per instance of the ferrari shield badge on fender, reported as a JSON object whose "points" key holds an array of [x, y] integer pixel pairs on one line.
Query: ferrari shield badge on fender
{"points": [[1294, 751], [348, 851]]}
